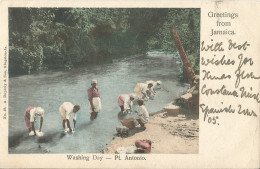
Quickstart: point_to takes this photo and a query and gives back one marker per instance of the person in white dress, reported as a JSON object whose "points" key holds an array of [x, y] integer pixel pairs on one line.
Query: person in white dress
{"points": [[66, 110], [125, 102], [143, 90], [30, 116], [156, 85]]}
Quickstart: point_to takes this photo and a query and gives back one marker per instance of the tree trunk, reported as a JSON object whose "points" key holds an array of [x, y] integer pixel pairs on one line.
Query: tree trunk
{"points": [[185, 60]]}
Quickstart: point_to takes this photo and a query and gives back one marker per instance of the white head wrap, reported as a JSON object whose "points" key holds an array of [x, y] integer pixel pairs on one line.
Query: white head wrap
{"points": [[132, 95], [39, 110], [94, 81]]}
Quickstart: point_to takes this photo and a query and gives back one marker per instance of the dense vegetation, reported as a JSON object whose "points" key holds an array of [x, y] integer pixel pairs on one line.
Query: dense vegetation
{"points": [[50, 38]]}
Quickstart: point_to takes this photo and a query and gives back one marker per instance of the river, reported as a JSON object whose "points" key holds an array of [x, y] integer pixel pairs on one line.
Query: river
{"points": [[50, 90]]}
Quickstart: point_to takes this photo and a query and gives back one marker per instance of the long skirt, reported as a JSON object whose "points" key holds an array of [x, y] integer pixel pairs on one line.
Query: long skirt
{"points": [[97, 105], [138, 91]]}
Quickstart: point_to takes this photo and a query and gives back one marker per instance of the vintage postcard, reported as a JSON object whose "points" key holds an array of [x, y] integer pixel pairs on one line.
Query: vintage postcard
{"points": [[129, 84]]}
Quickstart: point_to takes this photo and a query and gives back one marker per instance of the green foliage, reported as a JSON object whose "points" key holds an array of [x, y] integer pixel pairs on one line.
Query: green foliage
{"points": [[49, 38], [23, 61], [182, 103], [187, 22]]}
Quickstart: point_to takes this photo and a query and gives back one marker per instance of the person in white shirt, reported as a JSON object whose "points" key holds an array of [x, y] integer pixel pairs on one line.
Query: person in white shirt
{"points": [[66, 110], [142, 114], [125, 102], [155, 86], [30, 116], [143, 90]]}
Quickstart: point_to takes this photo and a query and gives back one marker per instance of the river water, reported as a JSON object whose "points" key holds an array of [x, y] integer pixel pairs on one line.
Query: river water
{"points": [[50, 90]]}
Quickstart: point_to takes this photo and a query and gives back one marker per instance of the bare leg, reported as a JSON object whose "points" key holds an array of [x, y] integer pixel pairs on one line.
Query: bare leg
{"points": [[95, 115], [141, 123], [122, 108], [63, 124], [92, 116]]}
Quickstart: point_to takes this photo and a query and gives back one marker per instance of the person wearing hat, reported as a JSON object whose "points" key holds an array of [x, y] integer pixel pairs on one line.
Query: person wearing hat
{"points": [[94, 100], [155, 86], [143, 90], [125, 102], [30, 116], [142, 114], [66, 110]]}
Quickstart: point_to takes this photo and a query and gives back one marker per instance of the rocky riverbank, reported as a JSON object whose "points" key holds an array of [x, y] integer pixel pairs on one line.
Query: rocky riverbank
{"points": [[169, 134]]}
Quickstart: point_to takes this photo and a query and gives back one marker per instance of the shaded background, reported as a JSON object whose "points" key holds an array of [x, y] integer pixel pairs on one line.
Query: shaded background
{"points": [[43, 39]]}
